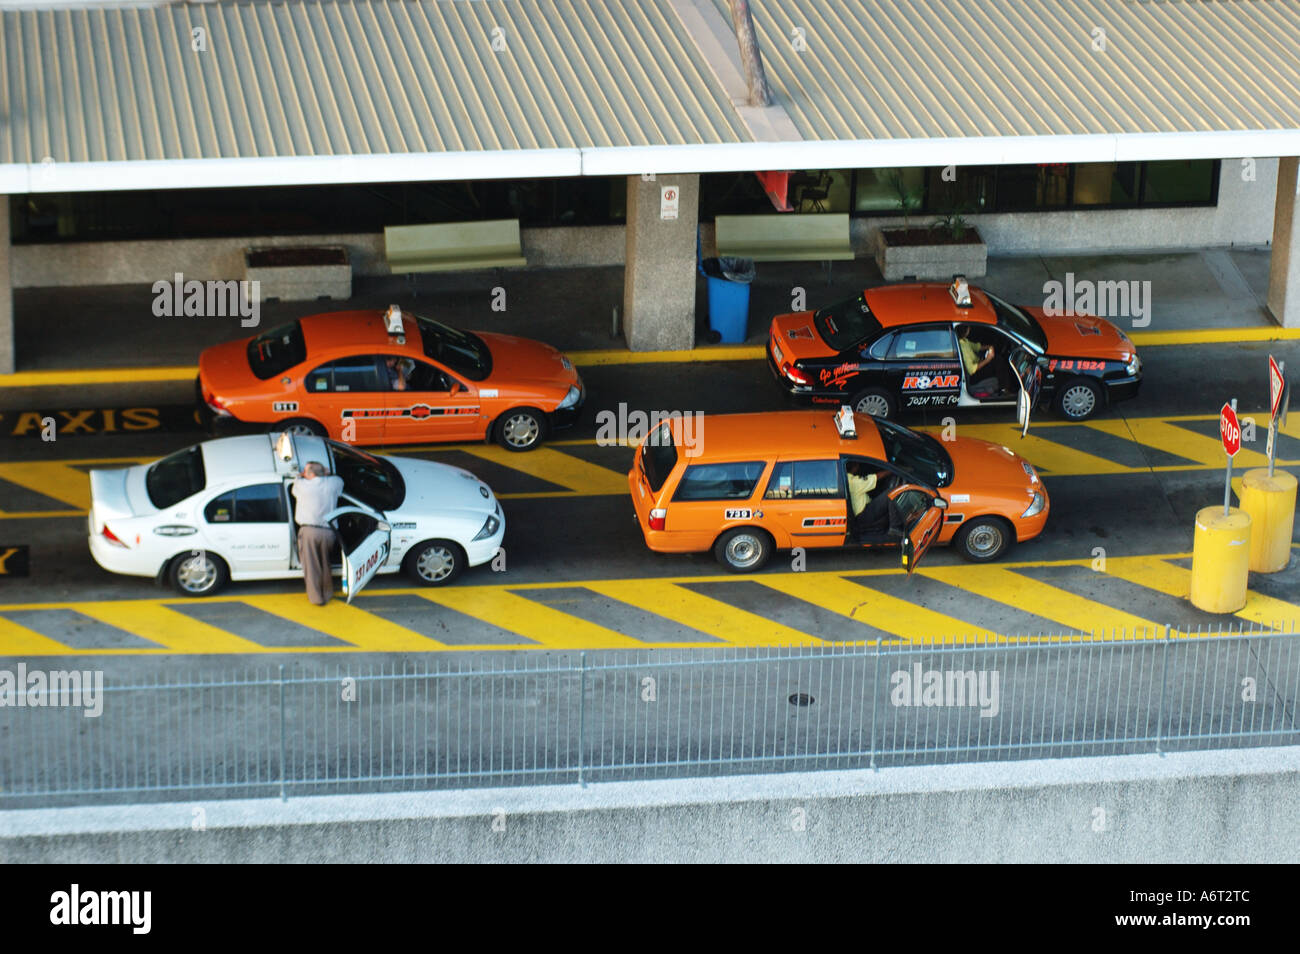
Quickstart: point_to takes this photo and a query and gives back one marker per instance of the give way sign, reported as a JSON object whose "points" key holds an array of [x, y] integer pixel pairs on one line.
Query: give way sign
{"points": [[1275, 383], [1229, 430]]}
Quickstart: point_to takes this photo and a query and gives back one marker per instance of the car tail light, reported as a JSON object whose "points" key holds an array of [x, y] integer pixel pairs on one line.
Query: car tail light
{"points": [[795, 375], [658, 518], [111, 537], [219, 405]]}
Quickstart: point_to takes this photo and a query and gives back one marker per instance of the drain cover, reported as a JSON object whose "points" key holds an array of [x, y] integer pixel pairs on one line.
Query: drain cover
{"points": [[801, 699]]}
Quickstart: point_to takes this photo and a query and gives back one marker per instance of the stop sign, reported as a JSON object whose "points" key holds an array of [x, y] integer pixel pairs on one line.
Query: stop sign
{"points": [[1229, 430]]}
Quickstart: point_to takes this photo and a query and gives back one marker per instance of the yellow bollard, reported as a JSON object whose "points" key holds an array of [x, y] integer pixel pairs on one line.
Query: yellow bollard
{"points": [[1220, 560], [1270, 501]]}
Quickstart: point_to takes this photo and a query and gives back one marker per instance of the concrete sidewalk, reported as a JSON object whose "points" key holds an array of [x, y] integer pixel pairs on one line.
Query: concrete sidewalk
{"points": [[574, 308]]}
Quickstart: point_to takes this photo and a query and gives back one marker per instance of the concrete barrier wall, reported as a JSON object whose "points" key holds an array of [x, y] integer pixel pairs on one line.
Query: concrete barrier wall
{"points": [[1220, 807]]}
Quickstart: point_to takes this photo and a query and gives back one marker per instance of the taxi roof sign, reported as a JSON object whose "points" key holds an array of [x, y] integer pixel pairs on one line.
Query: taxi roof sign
{"points": [[284, 446], [960, 291], [845, 423], [393, 320]]}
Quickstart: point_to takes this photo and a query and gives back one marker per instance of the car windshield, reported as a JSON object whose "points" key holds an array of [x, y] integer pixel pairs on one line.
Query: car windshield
{"points": [[846, 323], [176, 477], [918, 454], [277, 350], [372, 480], [459, 350], [1019, 323]]}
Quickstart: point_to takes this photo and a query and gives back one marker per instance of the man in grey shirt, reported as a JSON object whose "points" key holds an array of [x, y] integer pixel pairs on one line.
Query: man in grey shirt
{"points": [[315, 495]]}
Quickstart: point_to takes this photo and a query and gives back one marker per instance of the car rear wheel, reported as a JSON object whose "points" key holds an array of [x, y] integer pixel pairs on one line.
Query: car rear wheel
{"points": [[298, 426], [743, 549], [875, 402], [435, 562], [521, 429], [984, 539], [197, 573], [1079, 399]]}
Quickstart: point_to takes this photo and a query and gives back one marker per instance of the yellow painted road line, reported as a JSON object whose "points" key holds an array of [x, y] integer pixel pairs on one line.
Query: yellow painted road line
{"points": [[30, 514], [53, 479], [150, 619], [33, 379], [1042, 599], [609, 356], [18, 640], [556, 467], [1172, 439], [703, 613], [535, 621], [1048, 456], [350, 624], [1148, 339], [875, 609], [1176, 581]]}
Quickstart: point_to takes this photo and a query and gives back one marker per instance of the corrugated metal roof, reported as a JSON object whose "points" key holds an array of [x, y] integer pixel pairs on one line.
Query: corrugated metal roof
{"points": [[351, 77], [928, 69]]}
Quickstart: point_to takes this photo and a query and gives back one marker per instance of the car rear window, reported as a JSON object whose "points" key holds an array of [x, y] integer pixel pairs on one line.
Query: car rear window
{"points": [[658, 456], [732, 481], [846, 324], [277, 350], [176, 477]]}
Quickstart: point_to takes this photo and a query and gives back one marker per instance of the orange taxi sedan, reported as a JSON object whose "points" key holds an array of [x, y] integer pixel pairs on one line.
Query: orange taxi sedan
{"points": [[390, 377], [749, 484]]}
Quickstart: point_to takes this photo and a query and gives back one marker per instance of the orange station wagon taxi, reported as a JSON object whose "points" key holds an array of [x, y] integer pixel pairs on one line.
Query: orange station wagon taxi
{"points": [[376, 377], [755, 483]]}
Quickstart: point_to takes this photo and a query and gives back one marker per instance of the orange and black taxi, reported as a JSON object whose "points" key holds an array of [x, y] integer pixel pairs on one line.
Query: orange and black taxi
{"points": [[390, 377], [744, 485], [928, 345]]}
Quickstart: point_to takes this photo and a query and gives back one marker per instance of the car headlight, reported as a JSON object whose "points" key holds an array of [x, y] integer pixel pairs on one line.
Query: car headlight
{"points": [[570, 399], [489, 528], [1036, 506], [1134, 365]]}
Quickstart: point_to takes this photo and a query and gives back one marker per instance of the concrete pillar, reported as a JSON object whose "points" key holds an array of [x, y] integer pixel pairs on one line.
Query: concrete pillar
{"points": [[1284, 267], [659, 281], [7, 360]]}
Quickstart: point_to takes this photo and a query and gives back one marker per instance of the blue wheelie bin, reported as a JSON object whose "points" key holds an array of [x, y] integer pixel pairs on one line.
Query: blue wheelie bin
{"points": [[729, 280]]}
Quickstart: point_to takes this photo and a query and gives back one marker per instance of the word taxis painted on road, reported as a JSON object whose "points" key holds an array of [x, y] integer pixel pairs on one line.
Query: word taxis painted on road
{"points": [[105, 420]]}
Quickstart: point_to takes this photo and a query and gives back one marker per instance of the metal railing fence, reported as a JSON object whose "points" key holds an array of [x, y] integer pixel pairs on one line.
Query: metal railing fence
{"points": [[586, 717]]}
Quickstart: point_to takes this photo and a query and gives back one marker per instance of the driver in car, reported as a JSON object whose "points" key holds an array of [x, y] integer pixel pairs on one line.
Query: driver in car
{"points": [[977, 385], [869, 500]]}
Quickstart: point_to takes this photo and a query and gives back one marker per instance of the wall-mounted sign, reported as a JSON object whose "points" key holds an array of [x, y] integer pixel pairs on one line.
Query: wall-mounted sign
{"points": [[669, 201]]}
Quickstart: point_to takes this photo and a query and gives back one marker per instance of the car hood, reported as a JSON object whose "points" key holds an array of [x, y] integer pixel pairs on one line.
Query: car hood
{"points": [[433, 488], [982, 469], [518, 361], [797, 337], [224, 368], [1082, 336]]}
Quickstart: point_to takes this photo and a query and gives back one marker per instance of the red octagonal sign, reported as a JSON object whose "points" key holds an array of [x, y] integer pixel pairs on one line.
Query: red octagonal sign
{"points": [[1230, 430]]}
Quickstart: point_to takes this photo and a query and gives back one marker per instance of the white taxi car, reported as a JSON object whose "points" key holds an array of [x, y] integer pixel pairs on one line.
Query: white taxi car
{"points": [[221, 510]]}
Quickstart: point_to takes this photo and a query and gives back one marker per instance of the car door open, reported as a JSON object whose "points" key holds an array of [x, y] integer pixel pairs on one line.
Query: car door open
{"points": [[1029, 378], [364, 540], [921, 511]]}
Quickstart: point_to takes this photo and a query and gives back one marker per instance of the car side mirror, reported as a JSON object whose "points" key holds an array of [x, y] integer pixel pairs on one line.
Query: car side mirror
{"points": [[455, 388], [941, 503], [383, 526]]}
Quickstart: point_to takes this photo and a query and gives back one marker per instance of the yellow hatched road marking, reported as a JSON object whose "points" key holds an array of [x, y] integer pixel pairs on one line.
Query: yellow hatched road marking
{"points": [[54, 479], [18, 640], [158, 623], [1179, 441], [1176, 581], [1042, 599], [1048, 456], [556, 467], [535, 621], [878, 610], [703, 613], [347, 623]]}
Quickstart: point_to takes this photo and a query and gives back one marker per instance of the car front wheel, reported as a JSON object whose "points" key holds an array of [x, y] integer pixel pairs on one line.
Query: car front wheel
{"points": [[521, 429], [743, 550], [197, 573], [984, 539], [1079, 399], [435, 562]]}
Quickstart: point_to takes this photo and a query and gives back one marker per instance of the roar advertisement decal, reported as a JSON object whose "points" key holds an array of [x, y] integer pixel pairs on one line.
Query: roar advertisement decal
{"points": [[416, 412]]}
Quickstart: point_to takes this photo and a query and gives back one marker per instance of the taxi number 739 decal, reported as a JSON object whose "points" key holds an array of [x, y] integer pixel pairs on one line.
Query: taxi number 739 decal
{"points": [[737, 514]]}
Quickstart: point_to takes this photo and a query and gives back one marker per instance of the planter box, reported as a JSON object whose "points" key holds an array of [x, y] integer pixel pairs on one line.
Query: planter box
{"points": [[300, 274], [931, 262]]}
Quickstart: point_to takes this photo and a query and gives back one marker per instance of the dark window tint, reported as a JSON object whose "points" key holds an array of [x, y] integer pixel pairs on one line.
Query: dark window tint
{"points": [[846, 324], [658, 456], [919, 455], [277, 350], [809, 479], [911, 504], [353, 529], [425, 377], [176, 477], [221, 509], [922, 343], [880, 349], [459, 350], [357, 374], [263, 503], [719, 481], [367, 478], [1179, 180]]}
